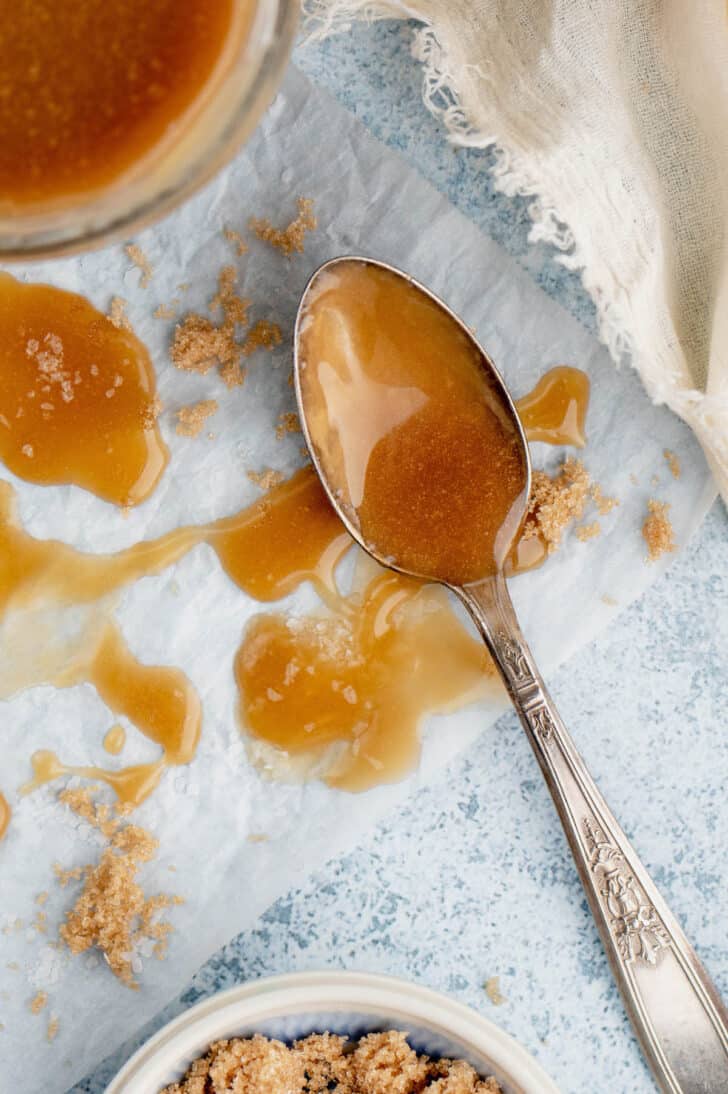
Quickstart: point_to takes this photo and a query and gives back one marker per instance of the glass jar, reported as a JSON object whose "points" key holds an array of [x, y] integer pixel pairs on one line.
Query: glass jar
{"points": [[196, 146]]}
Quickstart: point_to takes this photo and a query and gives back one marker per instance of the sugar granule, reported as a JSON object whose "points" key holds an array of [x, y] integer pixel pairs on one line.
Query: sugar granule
{"points": [[198, 343], [380, 1063], [291, 238], [117, 313], [287, 423], [38, 1001], [112, 912], [673, 463], [657, 530], [588, 531], [166, 311], [191, 419], [556, 502], [603, 503], [266, 479], [140, 260], [263, 335], [235, 237], [52, 1030], [492, 990]]}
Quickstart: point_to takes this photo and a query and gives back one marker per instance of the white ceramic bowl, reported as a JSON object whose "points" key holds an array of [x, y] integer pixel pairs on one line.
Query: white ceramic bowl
{"points": [[288, 1007]]}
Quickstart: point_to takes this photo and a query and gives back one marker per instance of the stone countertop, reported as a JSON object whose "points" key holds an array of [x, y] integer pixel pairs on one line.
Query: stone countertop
{"points": [[472, 878]]}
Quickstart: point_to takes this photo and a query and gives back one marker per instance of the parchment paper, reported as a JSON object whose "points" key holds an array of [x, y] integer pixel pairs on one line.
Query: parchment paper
{"points": [[368, 201]]}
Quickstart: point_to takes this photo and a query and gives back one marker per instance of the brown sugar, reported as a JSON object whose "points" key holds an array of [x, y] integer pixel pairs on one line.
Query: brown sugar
{"points": [[117, 313], [165, 311], [492, 990], [673, 463], [380, 1063], [292, 237], [191, 419], [140, 260], [657, 530], [267, 479], [199, 344], [588, 531], [232, 236], [556, 502], [603, 503], [38, 1001], [112, 912], [287, 423], [52, 1030], [263, 335]]}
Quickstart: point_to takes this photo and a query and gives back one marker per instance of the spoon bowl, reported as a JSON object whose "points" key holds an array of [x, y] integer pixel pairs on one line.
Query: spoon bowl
{"points": [[421, 452]]}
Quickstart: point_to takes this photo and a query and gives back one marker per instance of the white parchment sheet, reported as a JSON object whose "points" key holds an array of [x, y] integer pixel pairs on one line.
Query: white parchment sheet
{"points": [[368, 201]]}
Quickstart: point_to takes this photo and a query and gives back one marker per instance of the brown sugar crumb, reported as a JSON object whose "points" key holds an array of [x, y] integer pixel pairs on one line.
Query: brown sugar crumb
{"points": [[140, 260], [117, 313], [198, 343], [673, 463], [38, 1001], [287, 423], [588, 531], [151, 412], [41, 898], [52, 1030], [112, 911], [609, 601], [556, 502], [263, 335], [65, 877], [492, 990], [97, 814], [191, 419], [267, 479], [232, 236], [291, 238], [381, 1063], [603, 503], [657, 530], [166, 311], [258, 837]]}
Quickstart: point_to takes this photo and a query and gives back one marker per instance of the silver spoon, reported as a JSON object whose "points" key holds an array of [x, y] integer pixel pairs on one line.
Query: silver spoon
{"points": [[676, 1011]]}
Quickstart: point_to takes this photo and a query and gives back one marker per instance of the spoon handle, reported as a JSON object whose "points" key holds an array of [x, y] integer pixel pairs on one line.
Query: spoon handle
{"points": [[675, 1009]]}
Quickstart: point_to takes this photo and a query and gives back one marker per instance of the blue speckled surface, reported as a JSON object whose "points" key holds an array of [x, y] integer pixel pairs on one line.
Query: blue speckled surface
{"points": [[472, 878]]}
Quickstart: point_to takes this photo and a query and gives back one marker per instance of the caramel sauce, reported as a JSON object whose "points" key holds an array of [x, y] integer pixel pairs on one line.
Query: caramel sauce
{"points": [[88, 88], [555, 411], [114, 740], [409, 426], [159, 701], [77, 395], [5, 815], [360, 679], [289, 536]]}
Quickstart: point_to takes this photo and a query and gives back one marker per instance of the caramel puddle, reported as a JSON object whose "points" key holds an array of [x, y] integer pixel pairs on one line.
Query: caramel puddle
{"points": [[114, 740], [555, 410], [5, 815], [359, 679], [159, 701], [77, 396]]}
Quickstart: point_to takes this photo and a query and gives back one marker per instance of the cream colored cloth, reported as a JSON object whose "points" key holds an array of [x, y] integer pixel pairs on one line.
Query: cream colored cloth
{"points": [[613, 116]]}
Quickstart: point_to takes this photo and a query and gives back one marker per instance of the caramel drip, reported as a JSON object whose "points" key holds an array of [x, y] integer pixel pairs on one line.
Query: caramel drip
{"points": [[114, 740], [159, 701], [289, 536], [350, 688], [77, 396], [555, 411], [5, 815]]}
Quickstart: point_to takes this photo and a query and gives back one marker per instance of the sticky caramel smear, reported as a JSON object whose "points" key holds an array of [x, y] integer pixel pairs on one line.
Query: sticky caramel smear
{"points": [[289, 536], [77, 396], [5, 815], [114, 740], [87, 89], [409, 426], [355, 684], [159, 701], [555, 411]]}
